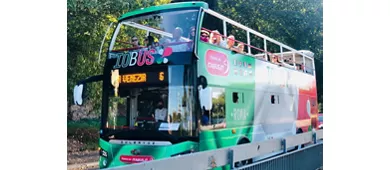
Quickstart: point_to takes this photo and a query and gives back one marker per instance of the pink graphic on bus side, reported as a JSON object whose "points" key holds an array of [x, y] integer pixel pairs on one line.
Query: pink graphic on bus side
{"points": [[217, 63]]}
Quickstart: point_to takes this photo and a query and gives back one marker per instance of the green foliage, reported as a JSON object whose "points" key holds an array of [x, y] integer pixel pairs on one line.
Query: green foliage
{"points": [[86, 123], [85, 131], [86, 27], [320, 108]]}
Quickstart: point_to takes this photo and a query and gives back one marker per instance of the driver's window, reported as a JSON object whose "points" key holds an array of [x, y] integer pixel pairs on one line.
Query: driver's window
{"points": [[218, 108], [213, 107], [180, 108], [117, 113]]}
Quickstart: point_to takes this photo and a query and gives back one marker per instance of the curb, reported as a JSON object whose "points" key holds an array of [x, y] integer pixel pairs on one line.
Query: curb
{"points": [[83, 165]]}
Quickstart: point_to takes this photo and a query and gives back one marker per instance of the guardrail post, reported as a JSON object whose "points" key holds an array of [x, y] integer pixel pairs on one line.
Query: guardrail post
{"points": [[284, 145], [231, 161], [315, 137]]}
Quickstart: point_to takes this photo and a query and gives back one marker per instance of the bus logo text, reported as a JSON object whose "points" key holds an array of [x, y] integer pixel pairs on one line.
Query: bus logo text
{"points": [[130, 59], [217, 63]]}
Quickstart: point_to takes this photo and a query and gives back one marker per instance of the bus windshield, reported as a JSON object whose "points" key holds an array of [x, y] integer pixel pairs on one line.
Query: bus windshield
{"points": [[159, 30], [162, 105]]}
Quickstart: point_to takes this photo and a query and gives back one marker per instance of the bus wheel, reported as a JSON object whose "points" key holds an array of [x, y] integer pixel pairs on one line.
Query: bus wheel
{"points": [[243, 162]]}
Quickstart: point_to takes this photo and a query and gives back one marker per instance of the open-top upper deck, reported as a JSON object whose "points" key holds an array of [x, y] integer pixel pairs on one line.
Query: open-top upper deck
{"points": [[295, 58]]}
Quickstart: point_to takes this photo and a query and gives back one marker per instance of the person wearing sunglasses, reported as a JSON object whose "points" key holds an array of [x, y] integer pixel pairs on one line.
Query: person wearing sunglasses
{"points": [[204, 36], [134, 42]]}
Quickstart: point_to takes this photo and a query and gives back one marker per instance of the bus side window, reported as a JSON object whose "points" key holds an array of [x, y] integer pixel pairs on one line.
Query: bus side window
{"points": [[235, 97], [214, 27], [211, 22], [218, 109], [274, 99], [238, 97]]}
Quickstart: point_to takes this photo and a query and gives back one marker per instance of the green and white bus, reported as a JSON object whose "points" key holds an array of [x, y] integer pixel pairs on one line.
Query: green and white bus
{"points": [[175, 82]]}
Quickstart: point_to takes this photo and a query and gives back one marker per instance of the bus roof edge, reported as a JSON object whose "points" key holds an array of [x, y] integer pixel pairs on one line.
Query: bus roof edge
{"points": [[164, 7]]}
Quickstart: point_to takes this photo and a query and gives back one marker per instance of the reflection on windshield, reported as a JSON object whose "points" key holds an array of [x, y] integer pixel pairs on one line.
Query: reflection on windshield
{"points": [[151, 109], [174, 29], [139, 105], [163, 108]]}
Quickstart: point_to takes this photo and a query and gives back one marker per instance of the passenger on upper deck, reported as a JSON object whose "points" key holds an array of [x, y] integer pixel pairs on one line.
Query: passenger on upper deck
{"points": [[177, 35], [204, 36], [230, 45], [191, 35], [230, 42], [177, 46], [156, 45], [216, 39], [134, 42], [288, 64], [241, 47], [299, 67], [275, 59], [149, 41]]}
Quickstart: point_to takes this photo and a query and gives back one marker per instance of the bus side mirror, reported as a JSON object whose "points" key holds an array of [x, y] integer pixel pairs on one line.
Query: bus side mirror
{"points": [[79, 91], [202, 81], [78, 94]]}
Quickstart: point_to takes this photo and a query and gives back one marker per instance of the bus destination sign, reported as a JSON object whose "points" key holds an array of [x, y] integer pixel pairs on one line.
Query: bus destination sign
{"points": [[143, 77], [133, 78]]}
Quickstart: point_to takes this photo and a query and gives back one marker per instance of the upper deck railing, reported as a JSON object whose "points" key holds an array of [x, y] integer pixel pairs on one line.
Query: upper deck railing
{"points": [[281, 59], [249, 30], [307, 56]]}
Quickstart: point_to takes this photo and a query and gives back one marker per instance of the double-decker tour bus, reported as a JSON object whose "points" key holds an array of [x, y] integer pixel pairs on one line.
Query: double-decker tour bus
{"points": [[181, 78]]}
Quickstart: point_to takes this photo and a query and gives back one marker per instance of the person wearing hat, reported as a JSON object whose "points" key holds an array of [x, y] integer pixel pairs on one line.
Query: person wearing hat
{"points": [[230, 42], [204, 36]]}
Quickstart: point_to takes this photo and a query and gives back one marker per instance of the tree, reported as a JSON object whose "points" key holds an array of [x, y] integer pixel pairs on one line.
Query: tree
{"points": [[86, 27]]}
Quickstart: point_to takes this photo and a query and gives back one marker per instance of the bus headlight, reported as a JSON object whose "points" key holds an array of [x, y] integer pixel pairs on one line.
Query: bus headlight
{"points": [[104, 162]]}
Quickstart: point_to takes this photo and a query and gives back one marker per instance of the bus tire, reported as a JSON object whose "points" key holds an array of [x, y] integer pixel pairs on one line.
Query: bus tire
{"points": [[243, 140], [299, 146]]}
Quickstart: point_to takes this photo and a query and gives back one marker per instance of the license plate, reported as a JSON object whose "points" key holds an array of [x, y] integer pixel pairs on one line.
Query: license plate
{"points": [[135, 158]]}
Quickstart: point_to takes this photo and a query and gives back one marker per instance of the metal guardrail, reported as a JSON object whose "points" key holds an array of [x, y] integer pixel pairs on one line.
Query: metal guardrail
{"points": [[309, 157]]}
